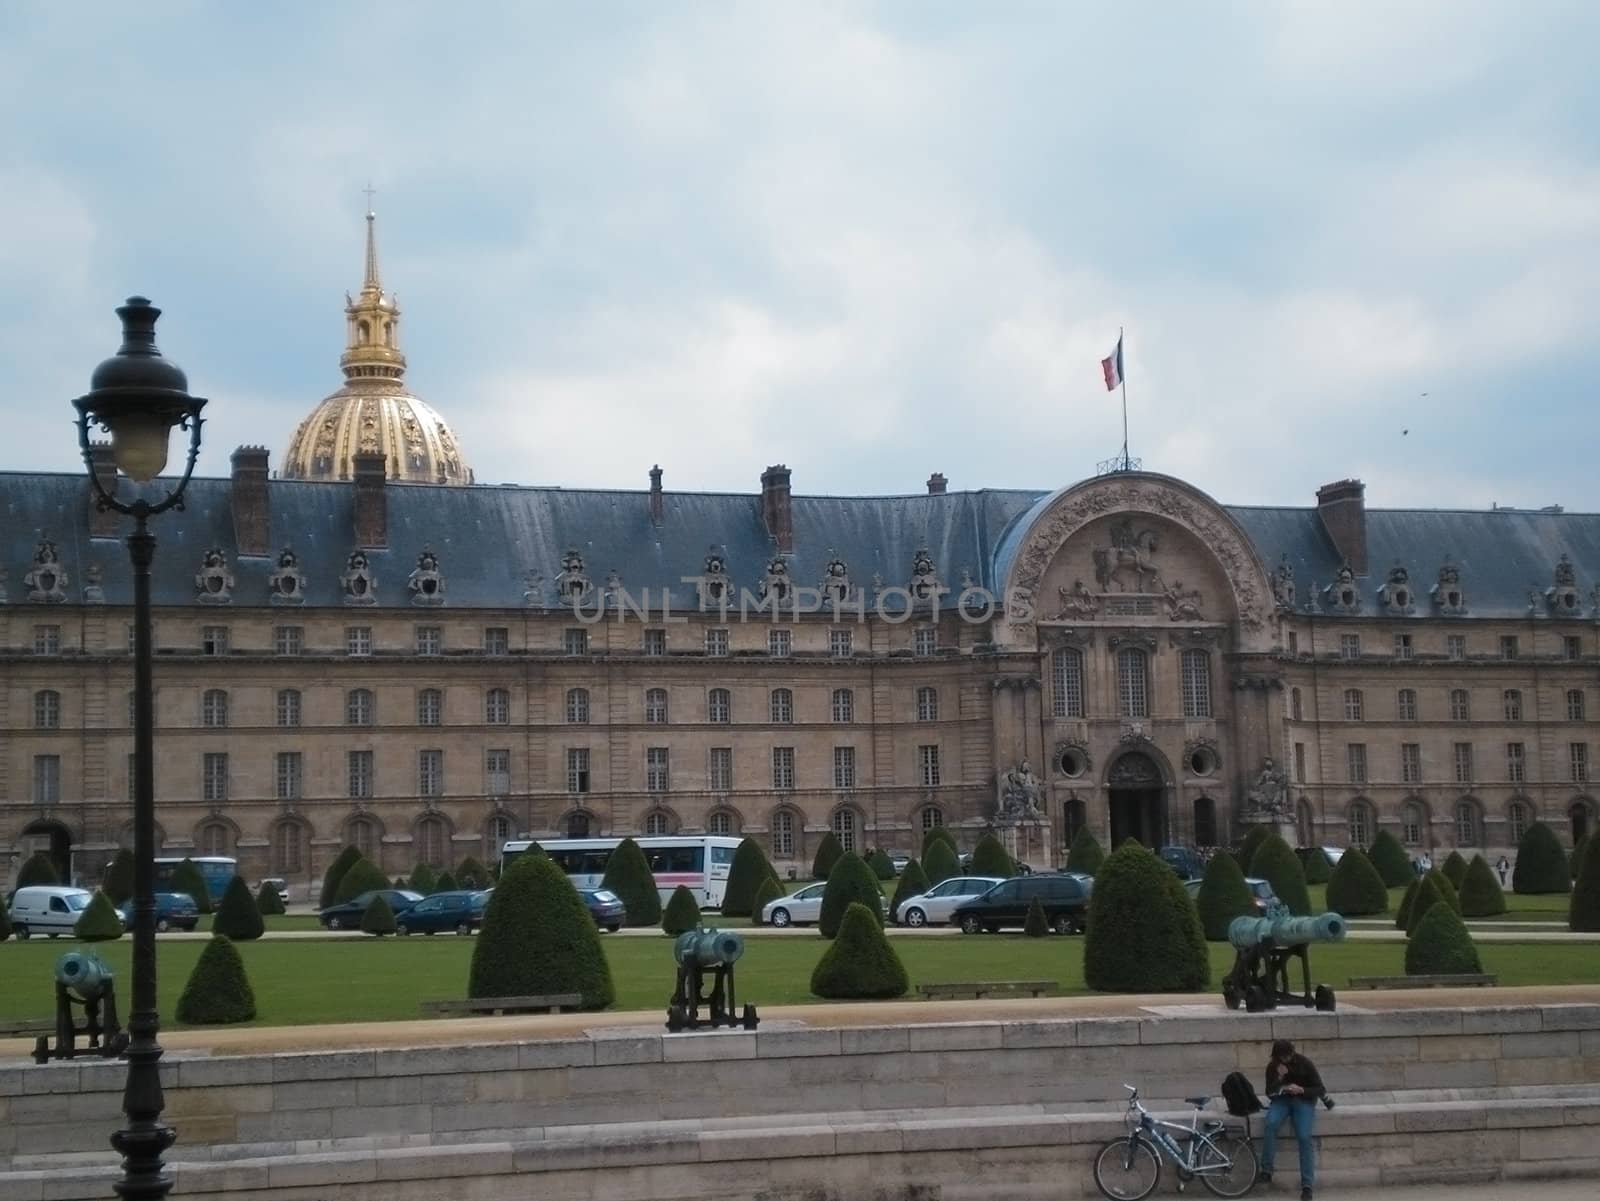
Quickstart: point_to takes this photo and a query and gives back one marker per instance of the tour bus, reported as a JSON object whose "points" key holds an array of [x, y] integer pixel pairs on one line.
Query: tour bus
{"points": [[700, 861], [215, 870]]}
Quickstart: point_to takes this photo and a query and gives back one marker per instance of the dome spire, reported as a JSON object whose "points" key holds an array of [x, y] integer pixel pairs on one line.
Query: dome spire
{"points": [[372, 321], [370, 283]]}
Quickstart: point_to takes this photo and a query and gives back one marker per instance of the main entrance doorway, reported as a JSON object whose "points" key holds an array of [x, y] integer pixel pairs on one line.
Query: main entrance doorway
{"points": [[1137, 809]]}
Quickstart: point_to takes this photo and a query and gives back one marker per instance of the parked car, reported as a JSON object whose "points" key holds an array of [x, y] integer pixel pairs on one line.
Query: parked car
{"points": [[348, 915], [935, 906], [460, 911], [605, 907], [803, 908], [52, 909], [1266, 900], [965, 861], [174, 911], [280, 886], [900, 860], [1064, 895], [1186, 861]]}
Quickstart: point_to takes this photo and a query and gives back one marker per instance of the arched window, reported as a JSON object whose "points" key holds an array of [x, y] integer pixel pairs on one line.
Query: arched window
{"points": [[288, 848], [655, 706], [578, 706], [1067, 672], [1197, 687], [1354, 704], [1133, 682], [1412, 823], [844, 705], [844, 828], [497, 833], [782, 705], [215, 838], [927, 704], [362, 833], [1460, 705], [578, 824], [47, 710], [1205, 822], [433, 842], [288, 707], [657, 823], [1295, 712], [358, 707], [497, 707], [1405, 704], [1362, 824], [430, 707], [1516, 820], [783, 825], [1467, 824], [720, 822], [932, 816], [719, 706], [388, 333], [1513, 703], [363, 332]]}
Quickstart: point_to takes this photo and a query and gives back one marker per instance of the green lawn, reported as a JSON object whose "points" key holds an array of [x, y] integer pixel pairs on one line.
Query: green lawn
{"points": [[1548, 908], [379, 980]]}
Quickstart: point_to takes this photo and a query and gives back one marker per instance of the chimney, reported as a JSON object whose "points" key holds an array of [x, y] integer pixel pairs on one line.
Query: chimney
{"points": [[658, 504], [252, 518], [103, 523], [936, 484], [775, 509], [1344, 515], [372, 510]]}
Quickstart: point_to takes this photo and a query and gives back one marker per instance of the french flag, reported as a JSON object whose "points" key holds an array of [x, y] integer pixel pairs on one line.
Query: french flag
{"points": [[1112, 367]]}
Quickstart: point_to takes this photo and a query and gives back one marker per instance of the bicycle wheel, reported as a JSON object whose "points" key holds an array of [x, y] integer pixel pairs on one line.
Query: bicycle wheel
{"points": [[1226, 1165], [1127, 1169]]}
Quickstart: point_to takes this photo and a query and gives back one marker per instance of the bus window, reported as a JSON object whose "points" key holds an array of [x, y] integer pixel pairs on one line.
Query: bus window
{"points": [[593, 863], [721, 856]]}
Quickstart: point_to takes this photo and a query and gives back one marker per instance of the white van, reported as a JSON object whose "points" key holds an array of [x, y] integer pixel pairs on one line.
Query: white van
{"points": [[52, 909]]}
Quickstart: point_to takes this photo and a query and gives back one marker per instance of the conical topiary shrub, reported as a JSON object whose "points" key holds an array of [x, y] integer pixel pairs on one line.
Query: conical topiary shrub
{"points": [[186, 877], [1541, 866], [851, 881], [342, 863], [1583, 910], [1455, 869], [5, 922], [628, 875], [238, 916], [269, 901], [828, 852], [100, 921], [769, 890], [471, 874], [1253, 838], [1086, 854], [37, 868], [218, 992], [939, 834], [1441, 945], [1355, 889], [1276, 863], [378, 917], [119, 878], [424, 879], [1390, 858], [446, 882], [912, 883], [989, 858], [363, 876], [882, 866], [1447, 890], [1144, 934], [682, 912], [940, 863], [1428, 895], [1480, 892], [860, 963], [1223, 896], [1035, 924], [1402, 915], [1318, 869], [538, 939], [1576, 858], [749, 868]]}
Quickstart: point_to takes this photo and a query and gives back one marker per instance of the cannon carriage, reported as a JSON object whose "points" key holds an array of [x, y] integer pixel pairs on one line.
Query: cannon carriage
{"points": [[1263, 947], [699, 952]]}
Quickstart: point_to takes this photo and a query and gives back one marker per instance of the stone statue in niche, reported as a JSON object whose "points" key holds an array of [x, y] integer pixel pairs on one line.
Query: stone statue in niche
{"points": [[214, 581], [46, 580], [835, 585], [426, 582], [359, 586], [286, 586], [1181, 605], [1021, 795], [776, 584], [1077, 603], [1267, 798], [1447, 595], [93, 593], [572, 585], [1283, 583], [1130, 552]]}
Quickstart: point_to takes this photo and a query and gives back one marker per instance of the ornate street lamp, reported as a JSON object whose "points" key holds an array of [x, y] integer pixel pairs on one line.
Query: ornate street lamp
{"points": [[137, 397]]}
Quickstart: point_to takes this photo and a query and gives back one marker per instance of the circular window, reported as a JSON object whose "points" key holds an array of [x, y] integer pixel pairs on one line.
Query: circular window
{"points": [[1202, 761], [1073, 762]]}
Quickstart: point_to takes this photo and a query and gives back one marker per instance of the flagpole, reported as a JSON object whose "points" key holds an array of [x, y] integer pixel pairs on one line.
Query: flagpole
{"points": [[1122, 370]]}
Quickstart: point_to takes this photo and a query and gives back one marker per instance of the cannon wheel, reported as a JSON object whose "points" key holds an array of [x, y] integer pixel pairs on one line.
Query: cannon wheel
{"points": [[1325, 999], [1230, 995], [1256, 999]]}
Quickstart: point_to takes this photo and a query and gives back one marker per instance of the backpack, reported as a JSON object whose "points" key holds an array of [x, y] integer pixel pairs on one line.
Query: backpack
{"points": [[1239, 1095]]}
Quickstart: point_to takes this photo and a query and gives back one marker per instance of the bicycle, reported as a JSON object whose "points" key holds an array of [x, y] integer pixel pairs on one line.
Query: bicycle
{"points": [[1129, 1168]]}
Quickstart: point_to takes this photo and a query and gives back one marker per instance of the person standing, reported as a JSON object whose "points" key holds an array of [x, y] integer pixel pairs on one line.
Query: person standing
{"points": [[1293, 1089], [1502, 867]]}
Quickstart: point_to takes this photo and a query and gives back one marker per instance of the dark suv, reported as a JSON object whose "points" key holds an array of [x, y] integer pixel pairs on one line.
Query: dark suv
{"points": [[1064, 895]]}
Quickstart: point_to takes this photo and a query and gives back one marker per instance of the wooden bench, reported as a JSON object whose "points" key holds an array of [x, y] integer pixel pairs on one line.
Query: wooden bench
{"points": [[22, 1027], [979, 989], [1458, 980], [550, 1004]]}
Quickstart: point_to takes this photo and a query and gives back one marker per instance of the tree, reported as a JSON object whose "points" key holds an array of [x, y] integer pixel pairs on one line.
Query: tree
{"points": [[218, 992], [770, 890], [238, 915], [940, 863], [1086, 854], [38, 868], [424, 879], [100, 921], [828, 852], [882, 866], [1441, 945], [1144, 934], [1480, 891], [1541, 863], [378, 917], [446, 882], [1253, 839], [851, 880], [1402, 915], [342, 863], [912, 883], [1455, 869], [269, 901], [538, 939], [1575, 860], [939, 834], [1223, 896], [1279, 866], [119, 879], [1447, 890], [1583, 910], [860, 963], [472, 874], [1318, 869], [1035, 924], [989, 858], [186, 877], [5, 923], [682, 913], [1355, 889], [1391, 860], [362, 876], [749, 868], [628, 875], [1428, 895]]}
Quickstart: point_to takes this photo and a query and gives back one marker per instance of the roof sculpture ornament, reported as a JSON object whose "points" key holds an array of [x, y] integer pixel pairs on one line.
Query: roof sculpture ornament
{"points": [[533, 589], [47, 580], [714, 586], [1183, 605], [360, 588], [1396, 595], [1447, 596], [1342, 596], [925, 586], [426, 581], [1562, 596], [286, 586], [1283, 583], [5, 578], [835, 585], [1077, 603], [613, 589], [1129, 550], [573, 583], [776, 584], [93, 592], [214, 582]]}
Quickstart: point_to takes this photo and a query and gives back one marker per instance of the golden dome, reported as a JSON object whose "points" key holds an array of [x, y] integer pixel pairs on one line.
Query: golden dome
{"points": [[374, 412]]}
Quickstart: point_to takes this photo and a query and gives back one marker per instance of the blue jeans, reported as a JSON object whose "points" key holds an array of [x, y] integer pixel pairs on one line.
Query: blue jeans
{"points": [[1304, 1114]]}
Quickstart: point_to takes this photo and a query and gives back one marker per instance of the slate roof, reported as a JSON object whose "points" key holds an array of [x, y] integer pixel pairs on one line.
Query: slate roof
{"points": [[489, 539]]}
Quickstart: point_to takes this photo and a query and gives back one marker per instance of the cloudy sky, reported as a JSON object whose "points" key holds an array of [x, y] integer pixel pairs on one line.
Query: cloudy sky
{"points": [[867, 240]]}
